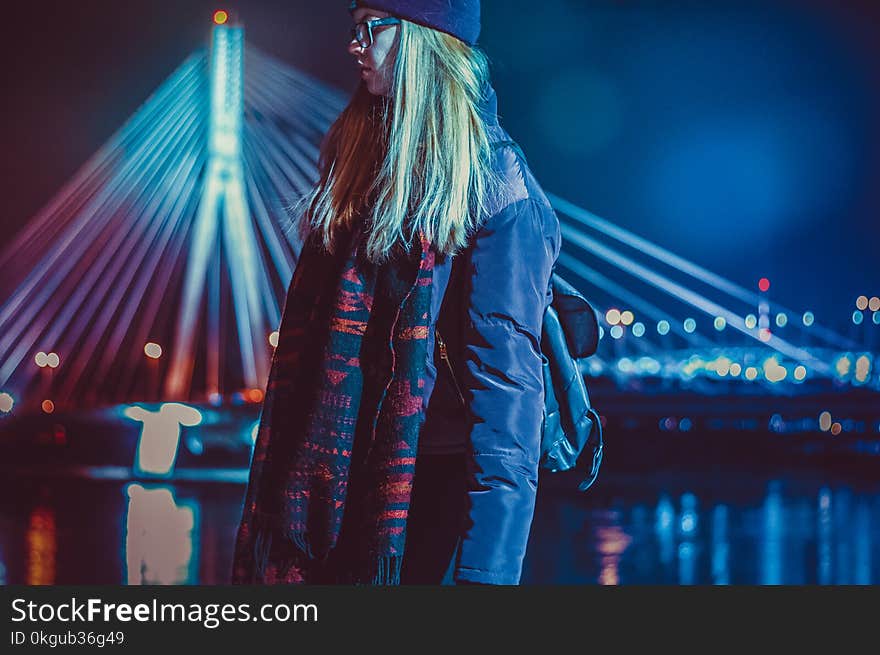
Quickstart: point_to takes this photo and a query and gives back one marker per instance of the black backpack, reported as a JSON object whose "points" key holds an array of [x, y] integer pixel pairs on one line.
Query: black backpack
{"points": [[571, 429]]}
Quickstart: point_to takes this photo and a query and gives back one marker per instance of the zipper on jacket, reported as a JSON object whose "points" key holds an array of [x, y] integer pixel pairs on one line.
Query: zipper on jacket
{"points": [[444, 355]]}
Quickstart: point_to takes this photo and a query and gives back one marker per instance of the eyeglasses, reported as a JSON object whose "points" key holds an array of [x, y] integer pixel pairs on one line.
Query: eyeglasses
{"points": [[363, 32]]}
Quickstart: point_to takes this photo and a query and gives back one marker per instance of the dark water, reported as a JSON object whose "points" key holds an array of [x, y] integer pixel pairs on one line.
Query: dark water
{"points": [[731, 528]]}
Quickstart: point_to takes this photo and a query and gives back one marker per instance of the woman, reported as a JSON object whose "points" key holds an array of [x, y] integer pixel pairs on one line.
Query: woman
{"points": [[400, 433]]}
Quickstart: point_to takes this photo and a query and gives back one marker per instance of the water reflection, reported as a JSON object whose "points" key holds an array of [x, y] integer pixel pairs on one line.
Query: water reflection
{"points": [[780, 537], [41, 547], [159, 537], [628, 531]]}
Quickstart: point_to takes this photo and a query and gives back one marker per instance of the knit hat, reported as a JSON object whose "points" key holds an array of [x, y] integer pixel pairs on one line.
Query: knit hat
{"points": [[460, 18]]}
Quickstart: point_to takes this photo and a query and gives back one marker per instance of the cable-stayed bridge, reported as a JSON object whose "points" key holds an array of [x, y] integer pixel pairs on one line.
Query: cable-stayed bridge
{"points": [[158, 272]]}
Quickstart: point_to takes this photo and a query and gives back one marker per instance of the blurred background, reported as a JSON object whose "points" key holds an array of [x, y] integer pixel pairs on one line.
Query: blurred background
{"points": [[713, 166]]}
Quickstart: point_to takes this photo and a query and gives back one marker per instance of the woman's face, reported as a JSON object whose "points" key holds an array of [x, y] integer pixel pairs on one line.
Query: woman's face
{"points": [[376, 63]]}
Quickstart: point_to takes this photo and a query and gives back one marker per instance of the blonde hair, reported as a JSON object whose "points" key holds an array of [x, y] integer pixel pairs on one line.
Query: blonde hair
{"points": [[416, 161]]}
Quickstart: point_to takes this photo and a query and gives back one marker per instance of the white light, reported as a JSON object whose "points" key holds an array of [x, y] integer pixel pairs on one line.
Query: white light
{"points": [[273, 339], [7, 402], [153, 350], [720, 323], [160, 436], [751, 321], [638, 329], [663, 327], [690, 325], [41, 359], [52, 360]]}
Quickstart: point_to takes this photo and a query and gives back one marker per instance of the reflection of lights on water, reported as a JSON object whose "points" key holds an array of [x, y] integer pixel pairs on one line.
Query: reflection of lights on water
{"points": [[41, 547], [771, 536], [611, 542], [160, 436], [7, 402], [664, 520], [688, 520], [159, 536], [720, 546], [625, 365], [824, 537]]}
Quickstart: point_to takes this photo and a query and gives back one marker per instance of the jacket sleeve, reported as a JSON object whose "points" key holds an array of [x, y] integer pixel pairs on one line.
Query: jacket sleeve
{"points": [[508, 269]]}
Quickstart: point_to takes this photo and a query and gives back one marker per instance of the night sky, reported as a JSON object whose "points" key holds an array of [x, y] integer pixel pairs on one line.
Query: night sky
{"points": [[741, 135]]}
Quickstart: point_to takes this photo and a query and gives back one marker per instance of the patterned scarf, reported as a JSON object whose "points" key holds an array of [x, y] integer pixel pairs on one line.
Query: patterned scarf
{"points": [[334, 459]]}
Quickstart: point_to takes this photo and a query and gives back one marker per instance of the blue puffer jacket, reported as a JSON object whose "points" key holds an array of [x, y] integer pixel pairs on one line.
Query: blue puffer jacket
{"points": [[493, 301]]}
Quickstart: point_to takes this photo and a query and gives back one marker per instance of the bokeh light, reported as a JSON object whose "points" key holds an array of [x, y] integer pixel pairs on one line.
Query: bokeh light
{"points": [[808, 318], [612, 316], [153, 350], [220, 17], [862, 303], [764, 284], [751, 321], [273, 339], [663, 327], [627, 317], [825, 421], [7, 402], [638, 329], [720, 323], [52, 360], [48, 406], [689, 325]]}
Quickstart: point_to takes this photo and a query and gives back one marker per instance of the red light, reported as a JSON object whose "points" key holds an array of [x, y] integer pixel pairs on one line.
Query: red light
{"points": [[220, 17], [763, 284]]}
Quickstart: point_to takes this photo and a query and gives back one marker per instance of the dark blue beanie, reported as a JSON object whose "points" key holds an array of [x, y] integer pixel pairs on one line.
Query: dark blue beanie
{"points": [[460, 18]]}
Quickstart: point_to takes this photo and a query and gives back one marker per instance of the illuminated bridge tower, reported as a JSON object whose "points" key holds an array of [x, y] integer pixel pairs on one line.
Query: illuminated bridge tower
{"points": [[223, 222]]}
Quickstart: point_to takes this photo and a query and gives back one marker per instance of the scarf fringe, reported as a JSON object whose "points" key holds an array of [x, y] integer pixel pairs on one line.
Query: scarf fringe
{"points": [[388, 572]]}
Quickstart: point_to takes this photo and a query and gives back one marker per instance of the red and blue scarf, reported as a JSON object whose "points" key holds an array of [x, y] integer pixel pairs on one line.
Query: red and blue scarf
{"points": [[334, 460]]}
